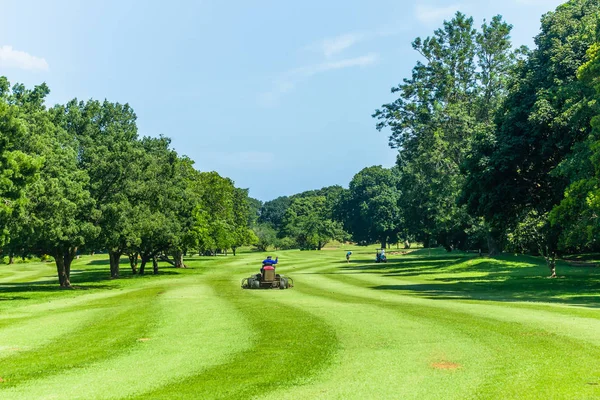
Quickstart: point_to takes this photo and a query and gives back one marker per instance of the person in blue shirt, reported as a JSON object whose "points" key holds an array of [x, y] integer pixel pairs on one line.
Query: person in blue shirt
{"points": [[348, 254], [269, 261]]}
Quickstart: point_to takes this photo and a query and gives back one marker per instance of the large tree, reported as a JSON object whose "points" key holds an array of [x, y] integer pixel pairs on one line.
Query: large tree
{"points": [[307, 221], [106, 135], [439, 111], [17, 168], [513, 171], [578, 214], [370, 208]]}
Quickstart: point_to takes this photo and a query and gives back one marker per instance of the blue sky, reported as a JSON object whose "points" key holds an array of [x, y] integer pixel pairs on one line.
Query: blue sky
{"points": [[276, 95]]}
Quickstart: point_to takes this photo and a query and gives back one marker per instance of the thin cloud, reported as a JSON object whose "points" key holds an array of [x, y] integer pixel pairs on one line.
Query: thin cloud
{"points": [[431, 14], [333, 46], [290, 79], [11, 58]]}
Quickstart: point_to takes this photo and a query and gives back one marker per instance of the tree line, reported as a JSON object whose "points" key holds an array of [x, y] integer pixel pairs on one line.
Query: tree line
{"points": [[498, 147], [78, 178]]}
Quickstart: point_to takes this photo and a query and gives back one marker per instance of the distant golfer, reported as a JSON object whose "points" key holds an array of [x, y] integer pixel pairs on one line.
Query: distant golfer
{"points": [[348, 254]]}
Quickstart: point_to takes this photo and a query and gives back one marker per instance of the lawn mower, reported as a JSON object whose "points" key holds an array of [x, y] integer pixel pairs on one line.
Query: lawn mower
{"points": [[267, 279]]}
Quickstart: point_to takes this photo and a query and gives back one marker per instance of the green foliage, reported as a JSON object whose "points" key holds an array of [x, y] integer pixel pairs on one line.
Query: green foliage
{"points": [[579, 212], [513, 169], [266, 236], [272, 212], [307, 220], [101, 187], [371, 208], [446, 103], [17, 168]]}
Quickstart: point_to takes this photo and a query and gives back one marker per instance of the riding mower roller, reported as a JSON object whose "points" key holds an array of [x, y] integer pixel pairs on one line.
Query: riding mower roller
{"points": [[268, 279]]}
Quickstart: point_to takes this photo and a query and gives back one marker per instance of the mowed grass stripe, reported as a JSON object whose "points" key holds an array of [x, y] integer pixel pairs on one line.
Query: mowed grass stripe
{"points": [[193, 330], [493, 354], [124, 318], [583, 326], [290, 346]]}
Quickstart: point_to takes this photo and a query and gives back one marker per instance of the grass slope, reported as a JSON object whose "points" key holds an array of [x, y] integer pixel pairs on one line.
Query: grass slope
{"points": [[425, 325]]}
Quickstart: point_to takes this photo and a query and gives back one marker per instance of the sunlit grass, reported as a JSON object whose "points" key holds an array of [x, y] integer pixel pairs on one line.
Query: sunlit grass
{"points": [[427, 324]]}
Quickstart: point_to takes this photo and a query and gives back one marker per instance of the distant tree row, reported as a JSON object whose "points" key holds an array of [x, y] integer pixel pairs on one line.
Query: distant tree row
{"points": [[77, 177]]}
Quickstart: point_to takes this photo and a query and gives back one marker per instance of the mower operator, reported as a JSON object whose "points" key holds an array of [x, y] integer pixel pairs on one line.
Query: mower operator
{"points": [[268, 262]]}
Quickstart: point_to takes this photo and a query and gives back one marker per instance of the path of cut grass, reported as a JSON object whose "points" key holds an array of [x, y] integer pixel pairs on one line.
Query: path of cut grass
{"points": [[425, 325]]}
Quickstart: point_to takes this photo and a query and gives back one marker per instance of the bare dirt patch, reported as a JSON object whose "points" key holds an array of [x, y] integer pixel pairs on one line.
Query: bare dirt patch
{"points": [[1, 380], [144, 339], [447, 365]]}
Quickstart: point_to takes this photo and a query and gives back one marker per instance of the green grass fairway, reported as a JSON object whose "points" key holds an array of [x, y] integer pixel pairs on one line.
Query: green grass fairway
{"points": [[426, 325]]}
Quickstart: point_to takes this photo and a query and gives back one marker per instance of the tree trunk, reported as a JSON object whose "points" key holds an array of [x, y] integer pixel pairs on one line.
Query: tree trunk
{"points": [[63, 268], [69, 257], [143, 265], [427, 242], [551, 262], [319, 245], [154, 265], [383, 243], [407, 244], [233, 250], [178, 256], [11, 259], [115, 258], [133, 259], [493, 248], [166, 259]]}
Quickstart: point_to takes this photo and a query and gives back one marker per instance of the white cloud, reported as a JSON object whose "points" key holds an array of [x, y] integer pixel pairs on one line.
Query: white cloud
{"points": [[431, 14], [311, 70], [333, 46], [289, 80], [11, 58]]}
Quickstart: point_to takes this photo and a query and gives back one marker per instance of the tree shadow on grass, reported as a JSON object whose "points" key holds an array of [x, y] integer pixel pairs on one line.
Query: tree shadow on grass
{"points": [[81, 279], [407, 266], [507, 278]]}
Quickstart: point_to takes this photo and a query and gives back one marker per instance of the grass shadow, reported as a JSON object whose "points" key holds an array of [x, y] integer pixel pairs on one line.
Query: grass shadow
{"points": [[504, 278]]}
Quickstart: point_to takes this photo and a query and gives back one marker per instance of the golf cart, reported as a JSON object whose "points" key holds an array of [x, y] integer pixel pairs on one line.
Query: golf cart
{"points": [[267, 279], [380, 256]]}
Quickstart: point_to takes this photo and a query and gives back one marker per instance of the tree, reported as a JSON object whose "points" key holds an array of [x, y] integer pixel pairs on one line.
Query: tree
{"points": [[370, 209], [17, 169], [306, 221], [106, 135], [60, 209], [147, 222], [440, 109], [578, 214], [242, 235], [266, 236], [254, 210], [534, 234], [272, 212], [514, 170]]}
